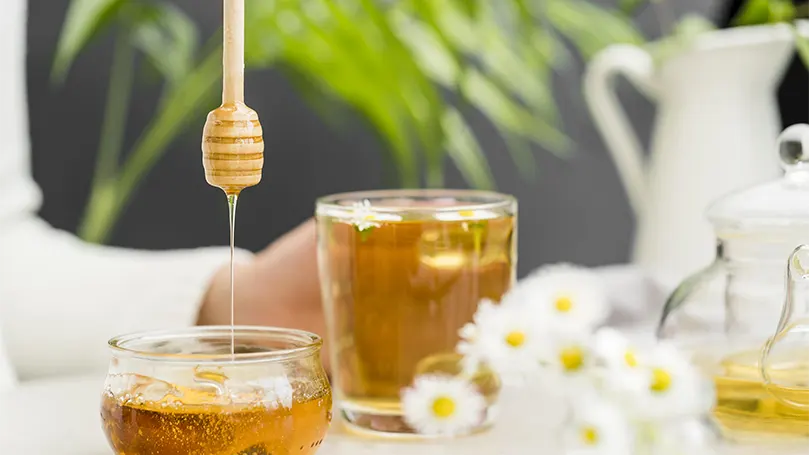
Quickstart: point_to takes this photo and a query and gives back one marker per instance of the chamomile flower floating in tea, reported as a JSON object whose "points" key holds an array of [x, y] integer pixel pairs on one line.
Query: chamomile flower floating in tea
{"points": [[442, 405], [598, 427], [364, 219], [508, 338], [563, 294]]}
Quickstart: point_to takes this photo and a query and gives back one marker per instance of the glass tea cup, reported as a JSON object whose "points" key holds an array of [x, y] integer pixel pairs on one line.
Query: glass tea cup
{"points": [[184, 392], [402, 271]]}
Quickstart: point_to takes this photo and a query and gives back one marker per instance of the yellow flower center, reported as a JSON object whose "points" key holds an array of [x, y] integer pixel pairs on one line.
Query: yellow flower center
{"points": [[661, 380], [443, 407], [589, 435], [630, 359], [572, 358], [466, 213], [515, 339], [563, 304]]}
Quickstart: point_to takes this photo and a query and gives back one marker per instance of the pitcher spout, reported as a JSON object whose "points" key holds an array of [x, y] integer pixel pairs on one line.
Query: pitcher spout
{"points": [[743, 58]]}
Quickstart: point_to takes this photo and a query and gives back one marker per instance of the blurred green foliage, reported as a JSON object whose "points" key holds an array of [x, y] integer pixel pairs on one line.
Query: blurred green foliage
{"points": [[415, 69], [757, 12]]}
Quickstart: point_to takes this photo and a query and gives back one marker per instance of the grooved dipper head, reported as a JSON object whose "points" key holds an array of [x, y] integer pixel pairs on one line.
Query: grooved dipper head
{"points": [[233, 148]]}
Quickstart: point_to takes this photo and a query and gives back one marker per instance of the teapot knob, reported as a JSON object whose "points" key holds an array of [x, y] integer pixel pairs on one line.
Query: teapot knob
{"points": [[793, 147]]}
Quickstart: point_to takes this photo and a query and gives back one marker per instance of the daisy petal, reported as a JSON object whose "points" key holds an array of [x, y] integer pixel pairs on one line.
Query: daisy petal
{"points": [[563, 294], [442, 405]]}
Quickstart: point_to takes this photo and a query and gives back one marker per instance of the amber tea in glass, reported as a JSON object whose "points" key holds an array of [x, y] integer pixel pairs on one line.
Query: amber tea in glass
{"points": [[184, 393], [401, 273]]}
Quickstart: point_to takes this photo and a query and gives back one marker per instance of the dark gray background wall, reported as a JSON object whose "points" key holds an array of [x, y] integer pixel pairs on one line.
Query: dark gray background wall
{"points": [[575, 211]]}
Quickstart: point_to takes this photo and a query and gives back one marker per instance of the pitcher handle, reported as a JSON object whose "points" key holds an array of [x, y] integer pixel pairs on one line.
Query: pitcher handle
{"points": [[599, 90]]}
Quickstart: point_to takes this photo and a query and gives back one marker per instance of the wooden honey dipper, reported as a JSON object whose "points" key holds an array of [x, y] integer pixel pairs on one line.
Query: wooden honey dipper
{"points": [[232, 141]]}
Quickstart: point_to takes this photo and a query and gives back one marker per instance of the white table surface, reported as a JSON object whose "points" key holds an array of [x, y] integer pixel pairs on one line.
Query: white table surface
{"points": [[62, 418]]}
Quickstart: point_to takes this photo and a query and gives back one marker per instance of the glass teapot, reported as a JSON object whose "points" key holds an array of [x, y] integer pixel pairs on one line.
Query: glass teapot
{"points": [[727, 313]]}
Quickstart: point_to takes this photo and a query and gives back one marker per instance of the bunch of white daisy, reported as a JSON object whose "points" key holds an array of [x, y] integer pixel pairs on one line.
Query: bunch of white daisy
{"points": [[623, 399]]}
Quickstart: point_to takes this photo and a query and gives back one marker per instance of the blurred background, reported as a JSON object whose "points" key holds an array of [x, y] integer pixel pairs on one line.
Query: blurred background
{"points": [[573, 209]]}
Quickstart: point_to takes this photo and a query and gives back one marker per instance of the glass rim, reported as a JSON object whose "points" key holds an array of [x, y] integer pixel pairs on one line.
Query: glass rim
{"points": [[489, 200], [302, 344]]}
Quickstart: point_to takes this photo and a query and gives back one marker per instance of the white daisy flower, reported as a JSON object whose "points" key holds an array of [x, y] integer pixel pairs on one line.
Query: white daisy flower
{"points": [[442, 405], [568, 352], [507, 338], [672, 387], [683, 437], [622, 362], [470, 346], [616, 351], [598, 427], [364, 218], [563, 294]]}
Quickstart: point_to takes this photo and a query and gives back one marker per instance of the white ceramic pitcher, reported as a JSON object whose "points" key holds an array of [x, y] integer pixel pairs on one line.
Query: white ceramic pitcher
{"points": [[717, 120]]}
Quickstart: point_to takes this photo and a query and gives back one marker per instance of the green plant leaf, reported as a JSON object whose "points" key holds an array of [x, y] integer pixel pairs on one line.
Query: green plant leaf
{"points": [[331, 110], [630, 7], [549, 47], [781, 11], [692, 26], [188, 95], [85, 20], [525, 75], [756, 12], [522, 71], [589, 27], [752, 13], [510, 116], [688, 29], [167, 36], [263, 42], [430, 52], [802, 45], [469, 7], [426, 107], [537, 36], [456, 27], [464, 150], [343, 57], [519, 148]]}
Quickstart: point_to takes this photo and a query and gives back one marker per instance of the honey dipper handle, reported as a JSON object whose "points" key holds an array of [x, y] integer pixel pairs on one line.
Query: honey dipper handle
{"points": [[233, 54]]}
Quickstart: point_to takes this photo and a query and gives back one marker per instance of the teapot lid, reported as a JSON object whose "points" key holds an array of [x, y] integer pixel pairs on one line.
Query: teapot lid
{"points": [[780, 203]]}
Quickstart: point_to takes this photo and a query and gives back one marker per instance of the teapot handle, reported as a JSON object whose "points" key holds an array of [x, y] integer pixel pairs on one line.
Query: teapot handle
{"points": [[793, 147], [788, 325], [599, 90]]}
